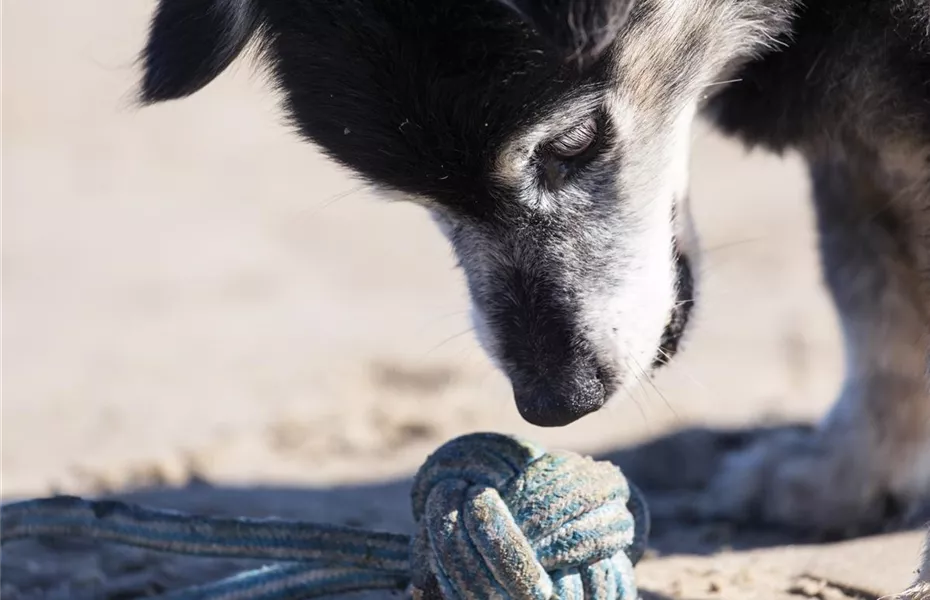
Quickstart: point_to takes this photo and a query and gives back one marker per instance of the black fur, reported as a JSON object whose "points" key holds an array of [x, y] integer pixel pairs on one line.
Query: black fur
{"points": [[681, 314], [191, 42], [853, 66], [578, 29], [448, 81]]}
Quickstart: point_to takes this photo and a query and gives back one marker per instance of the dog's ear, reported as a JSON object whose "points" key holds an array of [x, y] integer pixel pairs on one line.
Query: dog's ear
{"points": [[580, 29], [191, 42]]}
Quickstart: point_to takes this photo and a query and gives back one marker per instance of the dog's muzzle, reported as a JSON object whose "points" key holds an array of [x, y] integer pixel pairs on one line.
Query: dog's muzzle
{"points": [[555, 373]]}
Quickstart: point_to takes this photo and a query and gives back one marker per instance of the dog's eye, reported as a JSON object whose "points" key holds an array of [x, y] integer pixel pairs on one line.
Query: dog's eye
{"points": [[567, 154], [575, 141]]}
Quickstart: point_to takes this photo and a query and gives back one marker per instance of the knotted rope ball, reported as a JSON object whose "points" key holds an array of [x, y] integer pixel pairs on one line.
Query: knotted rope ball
{"points": [[500, 518], [497, 517]]}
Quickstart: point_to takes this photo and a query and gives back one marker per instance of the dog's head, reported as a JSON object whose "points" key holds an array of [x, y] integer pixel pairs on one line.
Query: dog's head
{"points": [[549, 139]]}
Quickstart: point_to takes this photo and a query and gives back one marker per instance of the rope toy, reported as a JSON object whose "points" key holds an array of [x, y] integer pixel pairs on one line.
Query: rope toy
{"points": [[497, 517]]}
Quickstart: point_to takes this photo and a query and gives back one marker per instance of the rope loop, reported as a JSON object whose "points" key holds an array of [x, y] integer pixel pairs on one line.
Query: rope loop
{"points": [[497, 517]]}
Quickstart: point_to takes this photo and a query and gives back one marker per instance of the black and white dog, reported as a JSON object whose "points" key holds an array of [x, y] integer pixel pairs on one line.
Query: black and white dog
{"points": [[550, 141]]}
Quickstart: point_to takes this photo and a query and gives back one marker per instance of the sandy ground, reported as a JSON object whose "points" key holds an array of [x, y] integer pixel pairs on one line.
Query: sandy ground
{"points": [[203, 313]]}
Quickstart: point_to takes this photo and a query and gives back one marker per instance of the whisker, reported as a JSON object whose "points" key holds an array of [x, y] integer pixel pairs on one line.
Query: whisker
{"points": [[336, 198], [448, 339], [732, 244], [656, 388], [629, 394], [715, 83], [639, 408], [680, 368]]}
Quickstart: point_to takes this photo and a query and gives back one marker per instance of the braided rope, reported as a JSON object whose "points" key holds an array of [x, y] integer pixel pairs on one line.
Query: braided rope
{"points": [[497, 518]]}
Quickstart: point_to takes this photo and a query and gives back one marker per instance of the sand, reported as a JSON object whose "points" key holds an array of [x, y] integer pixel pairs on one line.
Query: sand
{"points": [[202, 312]]}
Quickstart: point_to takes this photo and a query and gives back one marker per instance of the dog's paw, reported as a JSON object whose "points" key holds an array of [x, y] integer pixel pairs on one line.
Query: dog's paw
{"points": [[801, 480]]}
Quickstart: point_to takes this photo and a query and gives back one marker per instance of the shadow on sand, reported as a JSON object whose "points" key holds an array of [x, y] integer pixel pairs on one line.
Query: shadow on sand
{"points": [[679, 463]]}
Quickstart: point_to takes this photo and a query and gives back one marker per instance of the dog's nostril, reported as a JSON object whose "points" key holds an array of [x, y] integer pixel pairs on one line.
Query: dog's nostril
{"points": [[556, 404]]}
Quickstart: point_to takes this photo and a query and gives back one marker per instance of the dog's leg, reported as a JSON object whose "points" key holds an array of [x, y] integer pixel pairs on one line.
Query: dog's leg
{"points": [[870, 458]]}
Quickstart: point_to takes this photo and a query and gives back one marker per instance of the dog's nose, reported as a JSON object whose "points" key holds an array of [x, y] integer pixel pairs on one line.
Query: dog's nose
{"points": [[554, 369], [559, 401]]}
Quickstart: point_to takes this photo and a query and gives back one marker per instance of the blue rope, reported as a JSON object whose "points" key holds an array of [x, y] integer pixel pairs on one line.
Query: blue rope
{"points": [[497, 517]]}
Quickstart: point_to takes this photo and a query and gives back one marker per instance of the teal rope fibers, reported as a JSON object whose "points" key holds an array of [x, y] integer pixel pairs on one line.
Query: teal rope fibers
{"points": [[497, 518]]}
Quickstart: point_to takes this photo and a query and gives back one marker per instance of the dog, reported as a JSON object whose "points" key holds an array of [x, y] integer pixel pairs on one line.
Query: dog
{"points": [[549, 140]]}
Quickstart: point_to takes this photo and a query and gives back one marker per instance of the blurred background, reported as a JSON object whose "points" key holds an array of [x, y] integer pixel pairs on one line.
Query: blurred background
{"points": [[191, 292], [202, 312]]}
